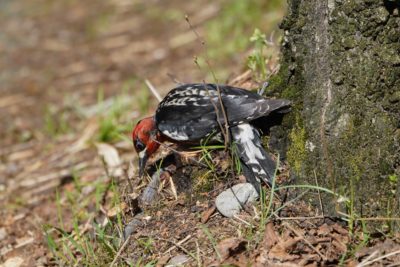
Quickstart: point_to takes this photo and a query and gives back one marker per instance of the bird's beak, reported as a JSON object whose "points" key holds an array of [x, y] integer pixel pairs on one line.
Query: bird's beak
{"points": [[142, 162]]}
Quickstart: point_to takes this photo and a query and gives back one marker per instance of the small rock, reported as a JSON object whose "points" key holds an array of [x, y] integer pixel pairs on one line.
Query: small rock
{"points": [[133, 225], [228, 201], [178, 260], [13, 262], [3, 233]]}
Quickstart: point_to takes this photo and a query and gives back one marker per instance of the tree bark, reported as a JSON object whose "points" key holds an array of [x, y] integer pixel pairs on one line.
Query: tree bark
{"points": [[341, 67]]}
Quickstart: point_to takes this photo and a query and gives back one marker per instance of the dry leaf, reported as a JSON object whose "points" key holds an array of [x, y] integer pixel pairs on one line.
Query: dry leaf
{"points": [[279, 250], [111, 159], [116, 210], [270, 236], [205, 216], [230, 246], [163, 260]]}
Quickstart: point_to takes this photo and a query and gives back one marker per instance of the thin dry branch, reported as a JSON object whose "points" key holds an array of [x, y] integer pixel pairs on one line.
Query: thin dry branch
{"points": [[153, 90], [362, 264], [122, 248], [304, 239], [225, 129], [179, 245]]}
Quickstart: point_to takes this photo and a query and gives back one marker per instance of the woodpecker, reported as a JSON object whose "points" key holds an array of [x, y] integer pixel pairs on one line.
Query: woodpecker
{"points": [[192, 112]]}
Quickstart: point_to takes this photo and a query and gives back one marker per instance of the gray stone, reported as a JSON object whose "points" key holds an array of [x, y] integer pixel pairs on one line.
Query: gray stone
{"points": [[230, 201], [133, 225], [178, 260]]}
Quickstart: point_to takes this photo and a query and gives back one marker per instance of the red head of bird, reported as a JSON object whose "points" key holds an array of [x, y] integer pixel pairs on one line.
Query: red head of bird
{"points": [[145, 140]]}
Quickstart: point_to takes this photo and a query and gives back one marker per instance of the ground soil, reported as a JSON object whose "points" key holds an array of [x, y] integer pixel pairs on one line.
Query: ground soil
{"points": [[56, 57]]}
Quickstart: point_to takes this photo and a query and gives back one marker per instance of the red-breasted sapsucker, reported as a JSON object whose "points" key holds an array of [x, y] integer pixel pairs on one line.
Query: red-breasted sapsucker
{"points": [[192, 112]]}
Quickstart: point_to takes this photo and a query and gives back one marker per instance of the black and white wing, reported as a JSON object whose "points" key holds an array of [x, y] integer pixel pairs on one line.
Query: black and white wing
{"points": [[257, 165], [243, 106], [191, 112], [186, 113]]}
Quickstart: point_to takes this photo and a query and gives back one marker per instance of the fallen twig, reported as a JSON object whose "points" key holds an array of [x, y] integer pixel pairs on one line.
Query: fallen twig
{"points": [[319, 217], [121, 249], [305, 240], [179, 245], [362, 264], [173, 188], [243, 221]]}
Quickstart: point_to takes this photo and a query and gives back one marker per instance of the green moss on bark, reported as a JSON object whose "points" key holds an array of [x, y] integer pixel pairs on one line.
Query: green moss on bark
{"points": [[297, 150]]}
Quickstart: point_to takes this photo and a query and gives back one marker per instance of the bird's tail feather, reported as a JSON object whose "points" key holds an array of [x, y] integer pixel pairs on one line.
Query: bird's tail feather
{"points": [[257, 165]]}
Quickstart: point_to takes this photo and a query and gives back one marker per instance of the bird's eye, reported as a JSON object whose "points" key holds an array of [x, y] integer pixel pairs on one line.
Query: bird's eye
{"points": [[139, 145]]}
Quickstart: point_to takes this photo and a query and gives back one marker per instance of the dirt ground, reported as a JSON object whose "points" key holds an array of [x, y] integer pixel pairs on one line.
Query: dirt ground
{"points": [[68, 68], [56, 56]]}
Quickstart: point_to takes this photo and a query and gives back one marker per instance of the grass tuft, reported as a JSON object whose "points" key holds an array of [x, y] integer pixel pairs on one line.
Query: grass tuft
{"points": [[89, 239]]}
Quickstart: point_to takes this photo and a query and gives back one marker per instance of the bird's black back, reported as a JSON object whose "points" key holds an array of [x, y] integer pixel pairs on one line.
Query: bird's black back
{"points": [[190, 112]]}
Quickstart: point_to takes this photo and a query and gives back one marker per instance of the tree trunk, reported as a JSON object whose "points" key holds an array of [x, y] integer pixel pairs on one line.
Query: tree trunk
{"points": [[341, 68]]}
